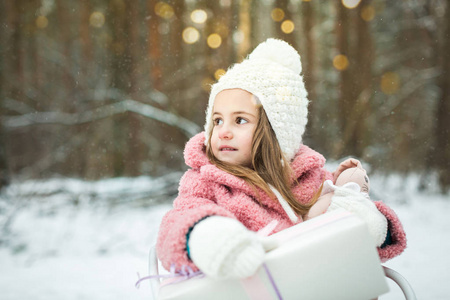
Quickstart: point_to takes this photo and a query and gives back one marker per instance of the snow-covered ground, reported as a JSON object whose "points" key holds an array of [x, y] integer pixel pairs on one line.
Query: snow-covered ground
{"points": [[55, 250]]}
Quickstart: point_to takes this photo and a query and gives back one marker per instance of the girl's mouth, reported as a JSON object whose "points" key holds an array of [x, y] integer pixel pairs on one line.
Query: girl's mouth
{"points": [[226, 148]]}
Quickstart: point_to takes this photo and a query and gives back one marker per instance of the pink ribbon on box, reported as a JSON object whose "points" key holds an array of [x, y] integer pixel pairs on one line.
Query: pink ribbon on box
{"points": [[254, 286], [268, 229], [256, 289]]}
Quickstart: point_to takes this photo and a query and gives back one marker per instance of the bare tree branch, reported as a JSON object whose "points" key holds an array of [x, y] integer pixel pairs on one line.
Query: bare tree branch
{"points": [[189, 128], [411, 86]]}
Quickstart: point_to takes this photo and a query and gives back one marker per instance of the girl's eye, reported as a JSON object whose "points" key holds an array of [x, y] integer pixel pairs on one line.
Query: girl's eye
{"points": [[240, 120], [218, 121]]}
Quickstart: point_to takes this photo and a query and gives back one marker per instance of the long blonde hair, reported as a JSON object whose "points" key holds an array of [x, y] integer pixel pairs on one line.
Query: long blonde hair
{"points": [[269, 166]]}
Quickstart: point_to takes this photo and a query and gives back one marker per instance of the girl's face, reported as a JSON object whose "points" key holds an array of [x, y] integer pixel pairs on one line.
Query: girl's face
{"points": [[235, 116]]}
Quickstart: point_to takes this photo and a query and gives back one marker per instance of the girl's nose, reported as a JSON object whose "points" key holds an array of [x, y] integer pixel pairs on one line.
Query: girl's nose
{"points": [[225, 132]]}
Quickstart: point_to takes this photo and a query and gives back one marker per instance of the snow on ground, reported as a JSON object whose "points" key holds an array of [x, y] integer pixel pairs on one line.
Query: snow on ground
{"points": [[55, 250], [426, 261]]}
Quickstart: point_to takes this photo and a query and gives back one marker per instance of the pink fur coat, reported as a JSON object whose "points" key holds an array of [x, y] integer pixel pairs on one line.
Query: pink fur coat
{"points": [[206, 190]]}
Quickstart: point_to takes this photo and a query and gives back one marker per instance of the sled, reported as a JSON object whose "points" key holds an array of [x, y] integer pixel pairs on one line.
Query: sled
{"points": [[329, 257]]}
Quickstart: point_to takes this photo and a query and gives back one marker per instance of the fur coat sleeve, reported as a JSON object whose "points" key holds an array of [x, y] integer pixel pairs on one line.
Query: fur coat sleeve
{"points": [[193, 203], [398, 236]]}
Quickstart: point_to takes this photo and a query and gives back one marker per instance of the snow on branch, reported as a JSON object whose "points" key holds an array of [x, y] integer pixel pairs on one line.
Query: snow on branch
{"points": [[187, 127], [412, 85], [57, 192]]}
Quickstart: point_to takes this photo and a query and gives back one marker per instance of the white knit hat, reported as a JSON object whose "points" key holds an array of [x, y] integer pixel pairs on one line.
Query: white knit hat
{"points": [[271, 73]]}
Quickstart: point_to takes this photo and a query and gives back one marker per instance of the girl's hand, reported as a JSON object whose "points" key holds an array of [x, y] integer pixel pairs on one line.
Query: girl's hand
{"points": [[350, 199], [224, 248], [320, 207], [346, 164]]}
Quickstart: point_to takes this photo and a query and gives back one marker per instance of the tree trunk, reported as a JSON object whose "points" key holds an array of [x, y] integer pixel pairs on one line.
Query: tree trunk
{"points": [[442, 153], [65, 36], [355, 80], [85, 36], [288, 37], [308, 60], [116, 18], [176, 39], [134, 149], [14, 76], [154, 46], [245, 28], [6, 14]]}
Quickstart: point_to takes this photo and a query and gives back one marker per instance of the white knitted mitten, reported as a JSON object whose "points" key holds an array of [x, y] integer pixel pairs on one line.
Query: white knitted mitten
{"points": [[224, 248], [351, 199]]}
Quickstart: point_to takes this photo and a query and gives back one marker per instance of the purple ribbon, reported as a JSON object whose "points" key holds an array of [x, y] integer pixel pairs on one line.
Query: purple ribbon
{"points": [[185, 273], [272, 281]]}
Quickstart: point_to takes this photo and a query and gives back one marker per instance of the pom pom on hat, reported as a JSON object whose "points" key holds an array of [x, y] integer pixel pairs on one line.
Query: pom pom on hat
{"points": [[279, 52], [271, 73]]}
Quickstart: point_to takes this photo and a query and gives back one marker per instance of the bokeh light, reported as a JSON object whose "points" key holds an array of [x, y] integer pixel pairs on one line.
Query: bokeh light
{"points": [[351, 3], [340, 62], [277, 14], [219, 73], [164, 10], [287, 26], [190, 35], [199, 16], [238, 36], [368, 13], [41, 22], [214, 40], [390, 83], [97, 19], [206, 83]]}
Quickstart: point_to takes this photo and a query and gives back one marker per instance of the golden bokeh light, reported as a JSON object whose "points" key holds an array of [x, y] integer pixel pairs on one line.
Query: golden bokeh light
{"points": [[219, 73], [351, 3], [190, 35], [199, 16], [41, 22], [164, 10], [97, 19], [287, 26], [340, 62], [277, 14], [390, 83], [368, 13], [206, 83], [214, 40]]}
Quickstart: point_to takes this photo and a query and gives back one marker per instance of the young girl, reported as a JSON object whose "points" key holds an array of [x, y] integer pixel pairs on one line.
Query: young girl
{"points": [[250, 167]]}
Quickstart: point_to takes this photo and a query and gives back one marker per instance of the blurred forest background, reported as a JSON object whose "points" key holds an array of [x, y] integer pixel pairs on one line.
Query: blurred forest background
{"points": [[106, 88]]}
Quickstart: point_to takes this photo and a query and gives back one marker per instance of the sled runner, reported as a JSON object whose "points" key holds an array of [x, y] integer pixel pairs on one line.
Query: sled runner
{"points": [[329, 257]]}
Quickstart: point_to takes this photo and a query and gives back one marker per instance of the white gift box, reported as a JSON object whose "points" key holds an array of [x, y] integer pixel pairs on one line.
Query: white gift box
{"points": [[331, 256]]}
